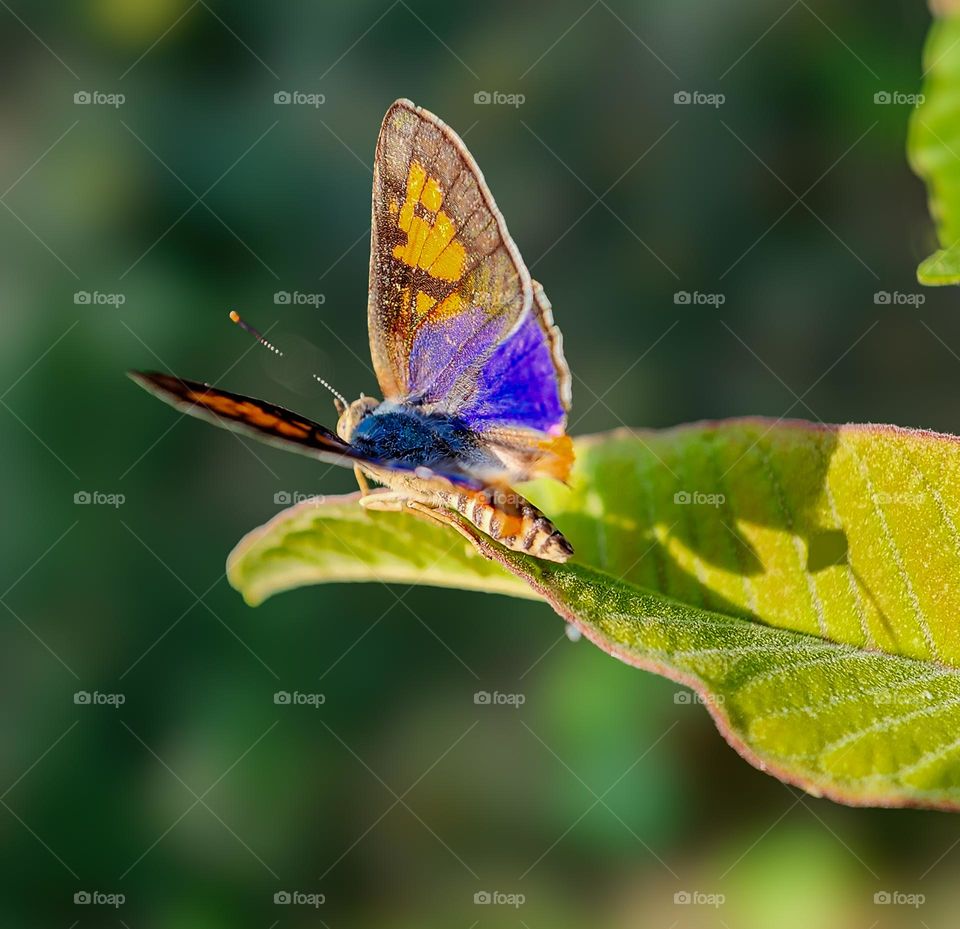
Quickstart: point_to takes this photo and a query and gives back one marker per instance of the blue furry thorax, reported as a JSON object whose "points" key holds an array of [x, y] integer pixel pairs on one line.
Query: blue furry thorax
{"points": [[402, 433]]}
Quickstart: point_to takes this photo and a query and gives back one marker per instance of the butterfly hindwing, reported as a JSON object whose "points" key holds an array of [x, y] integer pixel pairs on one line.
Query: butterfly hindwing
{"points": [[525, 381]]}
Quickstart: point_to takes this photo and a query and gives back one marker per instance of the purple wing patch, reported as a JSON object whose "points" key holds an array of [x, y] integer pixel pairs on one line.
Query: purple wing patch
{"points": [[512, 389], [519, 385], [443, 353], [463, 366]]}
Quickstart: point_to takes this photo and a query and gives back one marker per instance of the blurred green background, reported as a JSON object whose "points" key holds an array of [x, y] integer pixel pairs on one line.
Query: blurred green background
{"points": [[607, 792]]}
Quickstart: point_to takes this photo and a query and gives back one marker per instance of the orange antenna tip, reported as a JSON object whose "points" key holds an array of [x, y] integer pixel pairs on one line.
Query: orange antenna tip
{"points": [[235, 317], [341, 401]]}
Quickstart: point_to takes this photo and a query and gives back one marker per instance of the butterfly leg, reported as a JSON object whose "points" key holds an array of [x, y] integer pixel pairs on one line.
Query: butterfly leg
{"points": [[396, 501], [442, 516], [390, 501], [361, 481]]}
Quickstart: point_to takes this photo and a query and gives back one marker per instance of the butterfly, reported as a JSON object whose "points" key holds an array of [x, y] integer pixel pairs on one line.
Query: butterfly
{"points": [[476, 389]]}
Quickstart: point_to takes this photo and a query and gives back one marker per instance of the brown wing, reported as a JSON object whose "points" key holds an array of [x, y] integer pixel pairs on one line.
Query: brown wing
{"points": [[255, 418], [446, 280]]}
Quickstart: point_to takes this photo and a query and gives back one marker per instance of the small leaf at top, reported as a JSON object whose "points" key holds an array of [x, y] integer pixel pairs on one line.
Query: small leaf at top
{"points": [[934, 147]]}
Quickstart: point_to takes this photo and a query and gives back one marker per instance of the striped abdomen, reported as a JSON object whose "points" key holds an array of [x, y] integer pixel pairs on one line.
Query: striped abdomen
{"points": [[512, 521]]}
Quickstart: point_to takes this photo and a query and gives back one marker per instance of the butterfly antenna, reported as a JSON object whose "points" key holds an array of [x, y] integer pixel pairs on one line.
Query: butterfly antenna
{"points": [[235, 317], [339, 400]]}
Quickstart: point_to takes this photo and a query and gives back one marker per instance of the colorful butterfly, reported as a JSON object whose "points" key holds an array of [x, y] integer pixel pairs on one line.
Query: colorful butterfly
{"points": [[476, 388]]}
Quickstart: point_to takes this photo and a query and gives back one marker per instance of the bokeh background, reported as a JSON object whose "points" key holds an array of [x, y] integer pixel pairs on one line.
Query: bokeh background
{"points": [[607, 792]]}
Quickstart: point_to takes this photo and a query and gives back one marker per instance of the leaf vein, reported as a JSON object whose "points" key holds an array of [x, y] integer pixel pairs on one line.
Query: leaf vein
{"points": [[896, 554]]}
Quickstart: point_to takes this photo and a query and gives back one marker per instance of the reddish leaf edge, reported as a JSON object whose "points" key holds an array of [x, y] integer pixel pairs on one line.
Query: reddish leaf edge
{"points": [[800, 425]]}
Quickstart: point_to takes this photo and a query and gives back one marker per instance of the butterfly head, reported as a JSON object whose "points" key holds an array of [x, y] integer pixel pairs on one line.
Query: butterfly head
{"points": [[353, 415]]}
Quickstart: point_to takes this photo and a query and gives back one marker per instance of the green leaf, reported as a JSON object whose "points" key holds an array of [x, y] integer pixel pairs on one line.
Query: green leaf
{"points": [[934, 147], [940, 268], [335, 539], [802, 579]]}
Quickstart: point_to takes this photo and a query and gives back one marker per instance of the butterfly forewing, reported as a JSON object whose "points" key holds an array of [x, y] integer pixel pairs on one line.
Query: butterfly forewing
{"points": [[258, 419], [446, 281]]}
